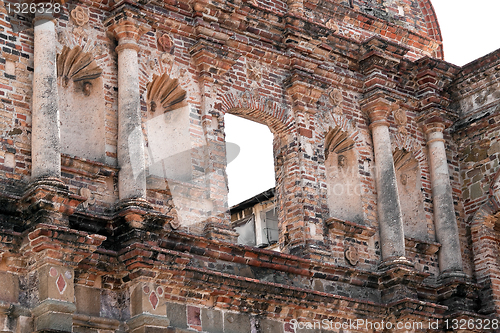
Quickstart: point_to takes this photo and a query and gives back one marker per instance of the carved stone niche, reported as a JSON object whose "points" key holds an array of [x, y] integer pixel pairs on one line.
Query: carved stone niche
{"points": [[336, 99], [82, 104], [401, 120], [351, 254], [74, 64], [409, 188], [165, 94], [342, 177], [167, 134]]}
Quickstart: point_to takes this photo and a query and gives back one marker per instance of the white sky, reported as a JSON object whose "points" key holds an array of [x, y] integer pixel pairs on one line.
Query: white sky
{"points": [[470, 31], [252, 172]]}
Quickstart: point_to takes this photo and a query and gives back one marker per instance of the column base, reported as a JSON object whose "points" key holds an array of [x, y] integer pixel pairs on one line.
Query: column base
{"points": [[48, 200], [394, 261], [458, 293], [133, 203], [451, 275]]}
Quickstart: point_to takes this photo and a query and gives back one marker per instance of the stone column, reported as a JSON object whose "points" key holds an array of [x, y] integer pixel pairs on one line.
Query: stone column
{"points": [[130, 151], [46, 136], [392, 239], [450, 254]]}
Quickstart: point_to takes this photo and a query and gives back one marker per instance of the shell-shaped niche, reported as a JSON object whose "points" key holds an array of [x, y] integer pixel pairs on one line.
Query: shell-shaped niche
{"points": [[337, 141], [74, 64], [165, 92], [404, 160]]}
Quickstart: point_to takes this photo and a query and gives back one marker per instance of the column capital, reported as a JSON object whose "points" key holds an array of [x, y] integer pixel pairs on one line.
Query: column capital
{"points": [[436, 116], [127, 30], [433, 123], [435, 126], [378, 109]]}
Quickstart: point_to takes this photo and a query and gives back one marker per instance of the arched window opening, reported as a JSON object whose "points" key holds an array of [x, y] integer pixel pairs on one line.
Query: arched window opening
{"points": [[342, 173], [410, 194], [251, 182]]}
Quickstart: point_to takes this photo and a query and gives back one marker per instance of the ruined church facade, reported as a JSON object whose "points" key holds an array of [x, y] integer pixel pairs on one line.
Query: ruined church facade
{"points": [[113, 189]]}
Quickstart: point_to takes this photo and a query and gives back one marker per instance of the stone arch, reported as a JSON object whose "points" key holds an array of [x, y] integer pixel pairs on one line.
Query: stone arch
{"points": [[81, 102], [263, 111], [485, 234]]}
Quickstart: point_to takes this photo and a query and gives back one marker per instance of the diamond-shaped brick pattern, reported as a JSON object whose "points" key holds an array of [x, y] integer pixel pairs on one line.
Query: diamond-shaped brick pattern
{"points": [[154, 300], [61, 283]]}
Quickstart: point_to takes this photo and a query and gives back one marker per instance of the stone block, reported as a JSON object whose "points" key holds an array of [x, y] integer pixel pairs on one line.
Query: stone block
{"points": [[147, 297], [211, 321], [177, 315], [475, 191], [88, 300], [56, 283], [236, 323], [495, 148], [54, 321], [148, 323], [268, 326], [80, 329], [194, 316], [9, 287]]}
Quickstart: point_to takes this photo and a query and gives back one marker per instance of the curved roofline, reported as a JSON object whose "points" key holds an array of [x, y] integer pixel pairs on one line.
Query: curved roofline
{"points": [[433, 28]]}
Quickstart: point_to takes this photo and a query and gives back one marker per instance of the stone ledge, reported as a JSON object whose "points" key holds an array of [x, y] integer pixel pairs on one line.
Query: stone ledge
{"points": [[52, 305], [84, 167], [145, 320], [353, 229], [96, 322], [14, 310], [420, 246]]}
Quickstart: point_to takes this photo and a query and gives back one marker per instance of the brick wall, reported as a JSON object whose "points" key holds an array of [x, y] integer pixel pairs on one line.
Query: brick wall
{"points": [[302, 69]]}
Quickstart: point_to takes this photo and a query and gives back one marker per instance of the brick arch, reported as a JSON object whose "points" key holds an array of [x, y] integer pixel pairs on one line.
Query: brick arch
{"points": [[433, 29], [485, 233], [260, 110]]}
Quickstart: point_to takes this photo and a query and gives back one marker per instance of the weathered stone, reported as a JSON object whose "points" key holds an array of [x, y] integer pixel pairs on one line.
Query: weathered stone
{"points": [[88, 300], [211, 320], [9, 290], [177, 313], [96, 248], [450, 254], [236, 323]]}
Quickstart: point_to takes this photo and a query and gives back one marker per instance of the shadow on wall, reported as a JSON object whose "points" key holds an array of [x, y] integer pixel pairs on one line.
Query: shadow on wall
{"points": [[170, 166]]}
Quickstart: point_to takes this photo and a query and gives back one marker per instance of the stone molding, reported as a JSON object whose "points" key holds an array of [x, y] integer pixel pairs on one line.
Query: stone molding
{"points": [[126, 29], [349, 229]]}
